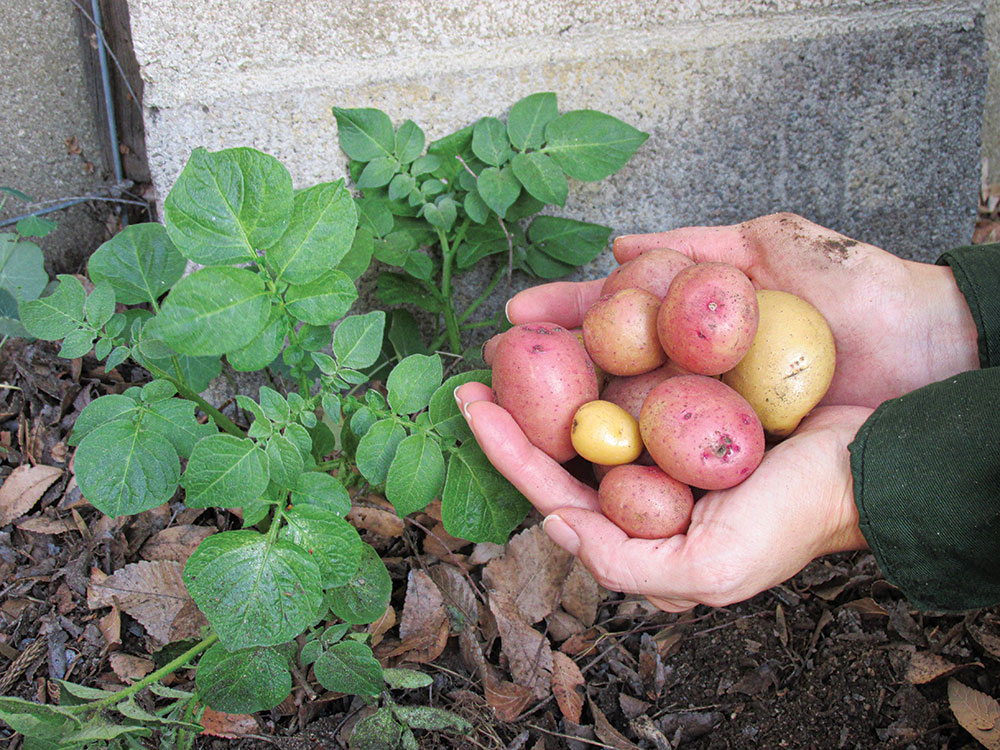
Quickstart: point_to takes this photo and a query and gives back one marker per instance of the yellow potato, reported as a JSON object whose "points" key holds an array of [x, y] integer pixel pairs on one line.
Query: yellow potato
{"points": [[790, 364], [605, 433]]}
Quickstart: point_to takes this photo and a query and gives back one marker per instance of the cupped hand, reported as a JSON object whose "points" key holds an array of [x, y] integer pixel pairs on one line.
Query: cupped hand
{"points": [[897, 324], [797, 505]]}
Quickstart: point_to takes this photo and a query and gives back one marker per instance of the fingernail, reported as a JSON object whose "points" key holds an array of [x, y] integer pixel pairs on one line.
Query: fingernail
{"points": [[561, 533], [506, 305], [462, 406]]}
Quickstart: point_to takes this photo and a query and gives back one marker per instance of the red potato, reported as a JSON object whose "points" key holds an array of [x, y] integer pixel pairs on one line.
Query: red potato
{"points": [[620, 332], [542, 375], [708, 318], [652, 271], [701, 432], [630, 391], [645, 502]]}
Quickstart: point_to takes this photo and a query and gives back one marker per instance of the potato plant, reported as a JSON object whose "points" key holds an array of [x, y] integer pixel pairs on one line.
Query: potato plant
{"points": [[274, 290]]}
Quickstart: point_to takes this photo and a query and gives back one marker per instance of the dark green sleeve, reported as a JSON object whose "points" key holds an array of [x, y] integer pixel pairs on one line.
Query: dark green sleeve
{"points": [[926, 467]]}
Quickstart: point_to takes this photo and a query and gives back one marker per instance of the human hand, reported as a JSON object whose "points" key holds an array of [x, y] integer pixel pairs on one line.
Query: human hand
{"points": [[797, 505], [897, 324]]}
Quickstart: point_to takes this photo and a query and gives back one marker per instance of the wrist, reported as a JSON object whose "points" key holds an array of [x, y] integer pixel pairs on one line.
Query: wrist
{"points": [[952, 341]]}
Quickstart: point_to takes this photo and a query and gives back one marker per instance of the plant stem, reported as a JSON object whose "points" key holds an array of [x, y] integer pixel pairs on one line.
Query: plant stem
{"points": [[224, 422], [450, 321], [149, 679], [498, 274]]}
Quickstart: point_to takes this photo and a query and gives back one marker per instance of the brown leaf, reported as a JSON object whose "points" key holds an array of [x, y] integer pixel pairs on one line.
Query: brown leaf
{"points": [[652, 670], [229, 726], [865, 606], [567, 686], [528, 652], [485, 551], [22, 489], [424, 625], [926, 667], [441, 544], [130, 668], [378, 628], [457, 592], [607, 733], [990, 643], [376, 520], [530, 575], [562, 625], [581, 595], [111, 627], [978, 713], [46, 525], [151, 592], [506, 699], [176, 543]]}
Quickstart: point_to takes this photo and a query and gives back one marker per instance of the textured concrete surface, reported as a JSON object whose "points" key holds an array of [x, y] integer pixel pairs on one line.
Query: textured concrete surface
{"points": [[991, 109], [49, 147]]}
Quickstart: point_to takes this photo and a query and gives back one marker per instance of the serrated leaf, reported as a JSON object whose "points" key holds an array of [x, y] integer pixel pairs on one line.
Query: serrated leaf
{"points": [[213, 311], [410, 141], [333, 542], [322, 301], [140, 263], [55, 316], [322, 491], [357, 341], [364, 598], [589, 145], [416, 474], [489, 141], [541, 177], [377, 448], [413, 381], [319, 234], [243, 681], [528, 118], [254, 591], [225, 205], [364, 133], [445, 417], [478, 503], [498, 188], [568, 240], [224, 472], [22, 267], [349, 667]]}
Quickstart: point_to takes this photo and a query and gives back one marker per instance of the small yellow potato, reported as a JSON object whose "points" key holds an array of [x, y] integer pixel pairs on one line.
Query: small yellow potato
{"points": [[789, 365], [605, 433]]}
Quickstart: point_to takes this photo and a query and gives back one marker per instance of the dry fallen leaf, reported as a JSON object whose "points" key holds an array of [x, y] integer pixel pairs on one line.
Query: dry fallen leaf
{"points": [[530, 575], [376, 520], [581, 595], [23, 488], [606, 733], [989, 642], [383, 624], [528, 652], [506, 699], [130, 668], [926, 667], [459, 596], [978, 713], [46, 525], [652, 670], [176, 543], [567, 686], [229, 726], [424, 626]]}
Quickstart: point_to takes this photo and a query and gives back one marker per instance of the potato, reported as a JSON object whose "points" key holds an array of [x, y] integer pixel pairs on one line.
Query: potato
{"points": [[652, 271], [602, 377], [701, 432], [620, 332], [708, 318], [542, 375], [630, 391], [644, 502], [605, 433], [789, 365]]}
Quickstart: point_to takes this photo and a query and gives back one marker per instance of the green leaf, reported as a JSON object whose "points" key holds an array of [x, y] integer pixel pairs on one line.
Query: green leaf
{"points": [[36, 719], [285, 461], [568, 240], [101, 411], [432, 719], [406, 679], [157, 390], [426, 164], [478, 503], [409, 142], [118, 355], [263, 348], [413, 381], [357, 341], [77, 343], [100, 305], [476, 208], [401, 186], [378, 172], [528, 118], [377, 731], [53, 317], [226, 205], [243, 681], [35, 226], [546, 266], [364, 134], [322, 301], [498, 188], [375, 216], [213, 311], [131, 710], [273, 405], [404, 334], [590, 145], [349, 667], [359, 257], [196, 372], [140, 263], [444, 414], [319, 234], [224, 472], [447, 148], [364, 598], [541, 177], [333, 542], [322, 491], [416, 474], [254, 591], [123, 469], [377, 449], [397, 289], [489, 142], [22, 268]]}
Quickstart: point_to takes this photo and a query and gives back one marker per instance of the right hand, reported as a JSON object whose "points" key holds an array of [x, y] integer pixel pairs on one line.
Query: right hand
{"points": [[897, 324]]}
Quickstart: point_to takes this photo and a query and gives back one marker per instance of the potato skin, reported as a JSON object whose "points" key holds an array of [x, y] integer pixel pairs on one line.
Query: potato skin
{"points": [[630, 391], [708, 318], [620, 332], [605, 433], [701, 432], [652, 271], [645, 502], [789, 365], [542, 375]]}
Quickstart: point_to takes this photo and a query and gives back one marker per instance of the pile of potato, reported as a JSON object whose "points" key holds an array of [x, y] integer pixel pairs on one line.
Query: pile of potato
{"points": [[679, 372]]}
